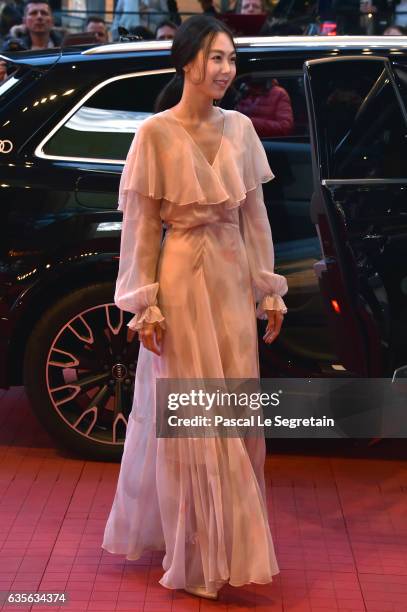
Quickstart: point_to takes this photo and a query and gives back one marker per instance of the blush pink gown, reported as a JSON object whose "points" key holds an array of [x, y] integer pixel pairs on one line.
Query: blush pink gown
{"points": [[201, 500]]}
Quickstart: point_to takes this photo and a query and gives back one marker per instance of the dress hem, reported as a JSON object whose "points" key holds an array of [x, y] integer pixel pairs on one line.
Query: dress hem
{"points": [[167, 586], [136, 556], [224, 582]]}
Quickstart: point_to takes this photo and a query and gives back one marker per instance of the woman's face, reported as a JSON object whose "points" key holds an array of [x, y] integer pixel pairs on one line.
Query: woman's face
{"points": [[220, 68]]}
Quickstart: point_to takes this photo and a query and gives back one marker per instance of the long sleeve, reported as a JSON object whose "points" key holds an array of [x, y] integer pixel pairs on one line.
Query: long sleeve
{"points": [[255, 227], [136, 286]]}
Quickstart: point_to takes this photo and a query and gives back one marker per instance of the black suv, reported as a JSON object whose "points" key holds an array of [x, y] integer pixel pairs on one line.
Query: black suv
{"points": [[338, 211]]}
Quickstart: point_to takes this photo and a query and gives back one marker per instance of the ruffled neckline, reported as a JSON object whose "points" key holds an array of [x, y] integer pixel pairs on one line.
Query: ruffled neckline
{"points": [[165, 163], [169, 114]]}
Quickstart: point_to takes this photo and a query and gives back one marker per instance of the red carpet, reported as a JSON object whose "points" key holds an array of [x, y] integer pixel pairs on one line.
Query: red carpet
{"points": [[338, 518]]}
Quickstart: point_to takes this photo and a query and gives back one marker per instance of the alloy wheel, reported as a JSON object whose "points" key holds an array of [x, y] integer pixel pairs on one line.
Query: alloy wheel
{"points": [[90, 373]]}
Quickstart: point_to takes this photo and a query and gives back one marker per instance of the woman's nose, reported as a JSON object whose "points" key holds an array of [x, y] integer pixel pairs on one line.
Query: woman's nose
{"points": [[226, 67]]}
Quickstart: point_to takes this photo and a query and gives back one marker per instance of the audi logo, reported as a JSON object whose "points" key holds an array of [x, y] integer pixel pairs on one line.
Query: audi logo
{"points": [[6, 146]]}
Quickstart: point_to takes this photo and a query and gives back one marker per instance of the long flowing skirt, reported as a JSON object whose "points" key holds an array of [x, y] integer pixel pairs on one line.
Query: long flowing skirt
{"points": [[201, 500]]}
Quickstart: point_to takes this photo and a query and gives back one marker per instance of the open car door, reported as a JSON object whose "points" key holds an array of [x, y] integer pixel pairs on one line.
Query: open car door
{"points": [[358, 119]]}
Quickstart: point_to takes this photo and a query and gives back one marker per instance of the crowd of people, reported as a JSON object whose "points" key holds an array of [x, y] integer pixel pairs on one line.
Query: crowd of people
{"points": [[31, 25]]}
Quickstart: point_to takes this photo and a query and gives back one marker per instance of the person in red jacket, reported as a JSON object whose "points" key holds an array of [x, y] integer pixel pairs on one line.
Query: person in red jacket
{"points": [[269, 108]]}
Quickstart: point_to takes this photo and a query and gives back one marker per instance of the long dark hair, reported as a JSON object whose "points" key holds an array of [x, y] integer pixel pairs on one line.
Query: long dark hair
{"points": [[194, 34]]}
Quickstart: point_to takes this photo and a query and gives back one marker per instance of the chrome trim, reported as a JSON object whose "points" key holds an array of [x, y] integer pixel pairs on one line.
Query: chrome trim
{"points": [[402, 369], [5, 58], [336, 42], [101, 120], [40, 153], [8, 84], [396, 90], [125, 47], [375, 181], [345, 58], [346, 42]]}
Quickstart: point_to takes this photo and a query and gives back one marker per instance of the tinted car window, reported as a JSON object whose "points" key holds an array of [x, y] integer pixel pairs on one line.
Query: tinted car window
{"points": [[362, 130], [275, 103], [104, 126], [401, 75], [19, 78]]}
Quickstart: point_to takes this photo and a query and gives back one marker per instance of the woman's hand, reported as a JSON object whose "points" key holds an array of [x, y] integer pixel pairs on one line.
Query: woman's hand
{"points": [[275, 321], [151, 336]]}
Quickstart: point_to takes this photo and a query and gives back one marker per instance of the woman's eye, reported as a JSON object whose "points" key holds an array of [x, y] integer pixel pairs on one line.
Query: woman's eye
{"points": [[218, 57]]}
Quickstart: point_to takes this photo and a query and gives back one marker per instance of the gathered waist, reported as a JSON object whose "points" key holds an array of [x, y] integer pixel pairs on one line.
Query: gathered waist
{"points": [[225, 224]]}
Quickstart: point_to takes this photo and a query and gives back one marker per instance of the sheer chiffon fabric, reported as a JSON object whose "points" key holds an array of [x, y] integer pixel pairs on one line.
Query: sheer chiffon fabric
{"points": [[201, 500]]}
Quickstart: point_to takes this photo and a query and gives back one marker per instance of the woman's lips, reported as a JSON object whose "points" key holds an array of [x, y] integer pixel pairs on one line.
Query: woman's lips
{"points": [[220, 83]]}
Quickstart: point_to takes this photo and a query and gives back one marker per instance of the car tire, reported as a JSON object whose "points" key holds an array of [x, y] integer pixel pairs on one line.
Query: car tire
{"points": [[79, 369]]}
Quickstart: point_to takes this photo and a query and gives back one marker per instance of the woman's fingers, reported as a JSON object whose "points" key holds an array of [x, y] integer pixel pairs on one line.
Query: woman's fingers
{"points": [[151, 337], [279, 322], [275, 321], [149, 340], [271, 326], [158, 334]]}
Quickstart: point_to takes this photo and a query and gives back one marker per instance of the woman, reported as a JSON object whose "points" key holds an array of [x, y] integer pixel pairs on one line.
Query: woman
{"points": [[195, 166]]}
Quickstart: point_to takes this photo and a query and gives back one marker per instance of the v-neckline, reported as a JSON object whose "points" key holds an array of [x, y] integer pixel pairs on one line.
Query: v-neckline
{"points": [[211, 165]]}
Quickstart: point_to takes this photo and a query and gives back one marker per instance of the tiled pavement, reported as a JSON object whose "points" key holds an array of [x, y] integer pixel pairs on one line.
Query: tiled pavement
{"points": [[338, 518]]}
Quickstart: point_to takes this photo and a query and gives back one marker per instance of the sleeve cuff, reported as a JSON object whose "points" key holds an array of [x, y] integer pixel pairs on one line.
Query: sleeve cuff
{"points": [[270, 302], [135, 300], [152, 314]]}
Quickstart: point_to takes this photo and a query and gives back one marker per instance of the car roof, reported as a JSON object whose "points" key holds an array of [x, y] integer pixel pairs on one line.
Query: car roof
{"points": [[280, 42], [367, 44]]}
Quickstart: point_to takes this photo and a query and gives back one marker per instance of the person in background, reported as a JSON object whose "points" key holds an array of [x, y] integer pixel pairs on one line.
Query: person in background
{"points": [[37, 31], [97, 26], [122, 17], [250, 7], [269, 107], [174, 15], [142, 33], [153, 12], [146, 13], [11, 14], [277, 27], [166, 30], [400, 13], [395, 30], [359, 17], [255, 13], [3, 71], [207, 7]]}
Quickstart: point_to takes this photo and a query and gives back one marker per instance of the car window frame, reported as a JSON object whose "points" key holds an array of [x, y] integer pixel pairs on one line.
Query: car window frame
{"points": [[323, 164], [39, 150]]}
